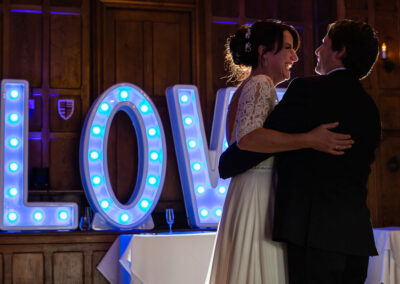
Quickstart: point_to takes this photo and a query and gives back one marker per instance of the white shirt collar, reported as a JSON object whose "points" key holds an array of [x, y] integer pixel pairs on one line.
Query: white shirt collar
{"points": [[336, 69]]}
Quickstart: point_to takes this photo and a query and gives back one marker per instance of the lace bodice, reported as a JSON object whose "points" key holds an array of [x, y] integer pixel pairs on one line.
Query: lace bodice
{"points": [[257, 99]]}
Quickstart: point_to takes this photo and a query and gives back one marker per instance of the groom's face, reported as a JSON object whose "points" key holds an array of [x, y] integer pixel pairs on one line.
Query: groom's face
{"points": [[326, 57]]}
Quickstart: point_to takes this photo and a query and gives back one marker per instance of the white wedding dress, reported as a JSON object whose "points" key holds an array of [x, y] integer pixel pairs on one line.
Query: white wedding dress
{"points": [[244, 252]]}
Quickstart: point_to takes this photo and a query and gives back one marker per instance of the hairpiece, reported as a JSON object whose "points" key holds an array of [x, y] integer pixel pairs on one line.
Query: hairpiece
{"points": [[247, 47], [248, 34]]}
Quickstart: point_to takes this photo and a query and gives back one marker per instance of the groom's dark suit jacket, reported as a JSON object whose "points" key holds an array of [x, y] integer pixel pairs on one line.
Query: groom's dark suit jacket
{"points": [[321, 198]]}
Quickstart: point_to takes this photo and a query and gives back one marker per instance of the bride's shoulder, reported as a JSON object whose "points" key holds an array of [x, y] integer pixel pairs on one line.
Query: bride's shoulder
{"points": [[260, 79]]}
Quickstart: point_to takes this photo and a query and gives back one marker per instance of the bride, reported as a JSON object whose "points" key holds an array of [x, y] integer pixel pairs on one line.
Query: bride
{"points": [[261, 57]]}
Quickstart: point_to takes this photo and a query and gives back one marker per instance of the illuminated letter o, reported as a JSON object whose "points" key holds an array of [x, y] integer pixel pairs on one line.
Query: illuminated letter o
{"points": [[151, 148]]}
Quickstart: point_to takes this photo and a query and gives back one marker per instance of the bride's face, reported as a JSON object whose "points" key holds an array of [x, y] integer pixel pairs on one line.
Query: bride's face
{"points": [[278, 65]]}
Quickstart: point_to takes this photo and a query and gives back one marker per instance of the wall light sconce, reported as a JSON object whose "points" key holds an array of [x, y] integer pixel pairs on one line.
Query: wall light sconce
{"points": [[388, 65]]}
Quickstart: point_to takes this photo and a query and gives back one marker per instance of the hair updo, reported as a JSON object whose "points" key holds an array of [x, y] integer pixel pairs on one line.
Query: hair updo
{"points": [[241, 48]]}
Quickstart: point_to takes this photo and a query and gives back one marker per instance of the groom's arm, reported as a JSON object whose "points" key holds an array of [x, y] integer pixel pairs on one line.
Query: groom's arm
{"points": [[289, 116], [235, 161]]}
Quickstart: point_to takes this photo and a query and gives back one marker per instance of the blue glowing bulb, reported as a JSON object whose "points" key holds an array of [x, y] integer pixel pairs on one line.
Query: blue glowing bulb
{"points": [[104, 107], [184, 98], [63, 215], [96, 130], [38, 216], [13, 191], [124, 217], [144, 204], [104, 204], [94, 155], [204, 212], [222, 189], [14, 94], [152, 131], [123, 95], [144, 108], [226, 144], [12, 216], [188, 120], [13, 166], [196, 167], [13, 118], [200, 189], [152, 180], [192, 144], [96, 180], [13, 142], [218, 212], [154, 156]]}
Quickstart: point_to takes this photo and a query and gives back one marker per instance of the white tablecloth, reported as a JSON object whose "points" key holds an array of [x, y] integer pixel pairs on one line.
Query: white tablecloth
{"points": [[385, 268], [159, 258]]}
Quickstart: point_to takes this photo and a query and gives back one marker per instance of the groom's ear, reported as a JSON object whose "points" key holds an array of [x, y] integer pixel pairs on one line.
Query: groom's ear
{"points": [[341, 54], [261, 50]]}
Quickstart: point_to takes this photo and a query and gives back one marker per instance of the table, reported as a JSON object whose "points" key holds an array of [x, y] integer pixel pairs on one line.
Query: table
{"points": [[385, 268], [159, 258]]}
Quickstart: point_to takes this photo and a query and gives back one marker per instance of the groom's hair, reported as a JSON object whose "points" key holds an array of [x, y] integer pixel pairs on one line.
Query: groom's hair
{"points": [[360, 42]]}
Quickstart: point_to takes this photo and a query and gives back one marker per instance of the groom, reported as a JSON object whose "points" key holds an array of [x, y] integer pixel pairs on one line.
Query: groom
{"points": [[320, 205]]}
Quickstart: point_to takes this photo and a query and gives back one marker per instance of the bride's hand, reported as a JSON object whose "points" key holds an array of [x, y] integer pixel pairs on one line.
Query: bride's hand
{"points": [[324, 140]]}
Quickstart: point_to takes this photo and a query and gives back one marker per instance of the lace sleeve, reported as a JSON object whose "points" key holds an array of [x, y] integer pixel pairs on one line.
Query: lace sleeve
{"points": [[257, 100]]}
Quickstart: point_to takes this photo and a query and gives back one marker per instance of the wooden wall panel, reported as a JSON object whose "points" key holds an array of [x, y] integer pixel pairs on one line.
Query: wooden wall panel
{"points": [[388, 32], [31, 2], [35, 112], [28, 268], [97, 277], [161, 55], [66, 3], [291, 11], [122, 156], [259, 9], [167, 47], [356, 4], [389, 110], [225, 8], [65, 51], [64, 163], [57, 123], [386, 5], [390, 181], [34, 152], [25, 46], [129, 52], [68, 267]]}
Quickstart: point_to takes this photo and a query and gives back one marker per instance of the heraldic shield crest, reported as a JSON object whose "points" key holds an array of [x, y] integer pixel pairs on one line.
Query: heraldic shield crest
{"points": [[65, 108]]}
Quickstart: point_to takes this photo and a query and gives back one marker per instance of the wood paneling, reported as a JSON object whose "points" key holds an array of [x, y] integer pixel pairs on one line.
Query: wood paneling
{"points": [[291, 11], [225, 8], [68, 267], [28, 268], [31, 2], [388, 32], [356, 4], [66, 3], [129, 51], [259, 9], [98, 278], [386, 5], [122, 156], [64, 163], [389, 179], [389, 110], [25, 47], [35, 113], [65, 51]]}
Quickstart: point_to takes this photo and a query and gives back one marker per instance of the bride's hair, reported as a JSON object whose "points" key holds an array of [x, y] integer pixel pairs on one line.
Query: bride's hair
{"points": [[241, 48]]}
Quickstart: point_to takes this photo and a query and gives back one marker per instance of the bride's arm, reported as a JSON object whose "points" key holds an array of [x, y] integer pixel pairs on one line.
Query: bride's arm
{"points": [[264, 140]]}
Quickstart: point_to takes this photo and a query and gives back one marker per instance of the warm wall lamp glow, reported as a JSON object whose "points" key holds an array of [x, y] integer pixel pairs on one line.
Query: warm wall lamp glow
{"points": [[387, 63]]}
